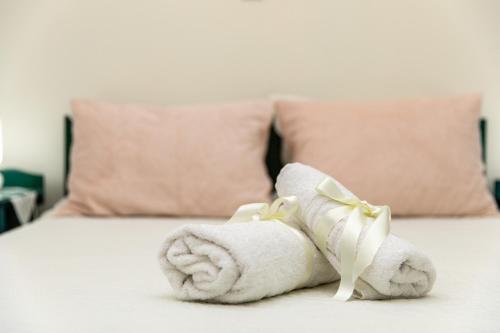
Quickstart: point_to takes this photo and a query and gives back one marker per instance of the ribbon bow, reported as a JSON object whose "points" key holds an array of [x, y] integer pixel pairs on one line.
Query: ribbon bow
{"points": [[359, 214], [282, 209]]}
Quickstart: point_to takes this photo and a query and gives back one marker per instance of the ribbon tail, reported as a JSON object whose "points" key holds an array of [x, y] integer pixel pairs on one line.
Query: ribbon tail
{"points": [[373, 240], [348, 243]]}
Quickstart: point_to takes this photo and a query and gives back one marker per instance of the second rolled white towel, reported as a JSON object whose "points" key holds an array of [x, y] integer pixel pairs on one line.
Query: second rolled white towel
{"points": [[398, 268]]}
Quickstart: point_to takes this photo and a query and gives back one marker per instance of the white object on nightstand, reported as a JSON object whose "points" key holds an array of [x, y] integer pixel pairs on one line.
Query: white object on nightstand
{"points": [[23, 200]]}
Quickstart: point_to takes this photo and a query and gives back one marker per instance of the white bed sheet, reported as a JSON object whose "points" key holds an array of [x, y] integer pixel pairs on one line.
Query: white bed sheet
{"points": [[102, 275]]}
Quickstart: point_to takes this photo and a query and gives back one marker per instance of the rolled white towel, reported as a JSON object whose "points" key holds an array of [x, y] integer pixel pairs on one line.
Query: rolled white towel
{"points": [[241, 262], [398, 270]]}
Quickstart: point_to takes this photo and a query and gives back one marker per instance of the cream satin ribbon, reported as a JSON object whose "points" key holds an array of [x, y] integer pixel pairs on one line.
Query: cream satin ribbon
{"points": [[359, 214], [281, 210]]}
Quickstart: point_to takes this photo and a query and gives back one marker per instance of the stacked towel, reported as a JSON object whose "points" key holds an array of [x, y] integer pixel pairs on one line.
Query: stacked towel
{"points": [[398, 269], [241, 262]]}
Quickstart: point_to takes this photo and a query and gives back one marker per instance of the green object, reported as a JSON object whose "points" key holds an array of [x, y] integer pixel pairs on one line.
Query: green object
{"points": [[8, 216], [17, 178]]}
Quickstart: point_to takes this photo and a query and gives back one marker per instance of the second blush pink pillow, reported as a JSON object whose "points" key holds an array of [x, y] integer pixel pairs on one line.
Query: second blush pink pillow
{"points": [[421, 156], [142, 160]]}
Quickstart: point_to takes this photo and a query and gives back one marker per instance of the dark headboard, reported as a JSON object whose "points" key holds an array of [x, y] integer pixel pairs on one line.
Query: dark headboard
{"points": [[273, 157]]}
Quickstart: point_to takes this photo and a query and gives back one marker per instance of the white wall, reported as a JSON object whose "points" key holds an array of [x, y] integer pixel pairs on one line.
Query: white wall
{"points": [[181, 51]]}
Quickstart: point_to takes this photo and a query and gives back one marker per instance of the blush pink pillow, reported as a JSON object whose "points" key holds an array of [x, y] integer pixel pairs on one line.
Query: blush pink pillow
{"points": [[142, 160], [421, 156]]}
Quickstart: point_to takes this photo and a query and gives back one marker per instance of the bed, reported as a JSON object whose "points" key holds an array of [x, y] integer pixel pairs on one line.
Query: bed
{"points": [[102, 275], [108, 280]]}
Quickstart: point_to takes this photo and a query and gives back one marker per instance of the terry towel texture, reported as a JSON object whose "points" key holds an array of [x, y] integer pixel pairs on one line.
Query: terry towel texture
{"points": [[241, 262], [398, 269]]}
